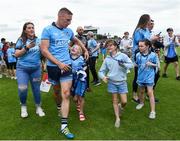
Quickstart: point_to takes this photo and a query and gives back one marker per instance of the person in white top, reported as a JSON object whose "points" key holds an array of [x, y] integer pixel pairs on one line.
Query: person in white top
{"points": [[126, 45], [170, 53]]}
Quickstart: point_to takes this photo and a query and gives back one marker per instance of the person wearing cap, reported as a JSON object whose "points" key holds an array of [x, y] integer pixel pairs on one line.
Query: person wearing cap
{"points": [[93, 51], [170, 53]]}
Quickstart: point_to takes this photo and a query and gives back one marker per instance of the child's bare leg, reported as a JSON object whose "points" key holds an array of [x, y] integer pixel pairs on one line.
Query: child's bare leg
{"points": [[115, 102], [151, 98]]}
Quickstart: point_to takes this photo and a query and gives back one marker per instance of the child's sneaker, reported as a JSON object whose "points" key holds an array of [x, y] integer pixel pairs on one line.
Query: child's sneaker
{"points": [[81, 117], [117, 123], [24, 113], [152, 115], [139, 106], [67, 133], [1, 76], [39, 111]]}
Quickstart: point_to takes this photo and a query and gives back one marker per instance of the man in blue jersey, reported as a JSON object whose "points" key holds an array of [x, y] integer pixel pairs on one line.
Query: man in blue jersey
{"points": [[55, 47]]}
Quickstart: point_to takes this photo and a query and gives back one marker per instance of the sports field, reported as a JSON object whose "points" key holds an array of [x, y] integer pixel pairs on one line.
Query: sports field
{"points": [[135, 125]]}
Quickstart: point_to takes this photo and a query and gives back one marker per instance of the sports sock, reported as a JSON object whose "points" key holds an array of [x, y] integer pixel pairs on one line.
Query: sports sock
{"points": [[63, 123]]}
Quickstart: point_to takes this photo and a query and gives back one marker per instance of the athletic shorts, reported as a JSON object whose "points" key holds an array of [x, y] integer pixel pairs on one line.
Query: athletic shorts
{"points": [[170, 60], [55, 75]]}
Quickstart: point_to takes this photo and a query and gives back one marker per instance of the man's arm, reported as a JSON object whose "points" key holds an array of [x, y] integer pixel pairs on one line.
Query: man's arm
{"points": [[77, 41], [45, 52]]}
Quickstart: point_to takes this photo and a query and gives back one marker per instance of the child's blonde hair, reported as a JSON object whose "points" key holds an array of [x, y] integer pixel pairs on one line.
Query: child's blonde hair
{"points": [[79, 48]]}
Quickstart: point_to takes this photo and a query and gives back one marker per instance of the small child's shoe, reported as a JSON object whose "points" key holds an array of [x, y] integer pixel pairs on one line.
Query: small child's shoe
{"points": [[81, 117], [152, 115], [117, 123], [139, 106]]}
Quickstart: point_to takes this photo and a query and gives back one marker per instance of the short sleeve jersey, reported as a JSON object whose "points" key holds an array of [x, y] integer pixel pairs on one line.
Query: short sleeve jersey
{"points": [[32, 57], [58, 42]]}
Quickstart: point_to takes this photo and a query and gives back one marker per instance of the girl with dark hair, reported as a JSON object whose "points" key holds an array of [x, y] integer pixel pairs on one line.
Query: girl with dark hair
{"points": [[141, 32], [147, 64], [28, 68]]}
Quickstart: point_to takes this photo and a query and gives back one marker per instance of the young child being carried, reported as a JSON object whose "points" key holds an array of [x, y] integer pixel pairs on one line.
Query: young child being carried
{"points": [[79, 79], [113, 71], [147, 63]]}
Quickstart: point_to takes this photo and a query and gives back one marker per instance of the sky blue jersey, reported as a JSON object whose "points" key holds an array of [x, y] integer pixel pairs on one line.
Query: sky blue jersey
{"points": [[77, 64], [1, 46], [146, 73], [58, 42], [10, 54], [32, 57], [91, 46], [140, 34]]}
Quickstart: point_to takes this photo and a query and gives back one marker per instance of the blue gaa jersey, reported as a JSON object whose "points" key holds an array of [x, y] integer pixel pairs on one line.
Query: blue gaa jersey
{"points": [[146, 73], [10, 55], [77, 64], [32, 57], [91, 46], [140, 34], [171, 50], [79, 76], [1, 46], [58, 42]]}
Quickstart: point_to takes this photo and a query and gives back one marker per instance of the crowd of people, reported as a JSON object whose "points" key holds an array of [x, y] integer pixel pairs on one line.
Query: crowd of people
{"points": [[69, 58]]}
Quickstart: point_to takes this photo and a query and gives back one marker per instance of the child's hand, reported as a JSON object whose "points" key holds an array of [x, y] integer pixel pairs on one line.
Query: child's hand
{"points": [[149, 64], [105, 79]]}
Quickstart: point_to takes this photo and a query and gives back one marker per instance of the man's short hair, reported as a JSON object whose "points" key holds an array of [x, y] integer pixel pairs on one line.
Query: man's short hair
{"points": [[65, 10], [169, 29]]}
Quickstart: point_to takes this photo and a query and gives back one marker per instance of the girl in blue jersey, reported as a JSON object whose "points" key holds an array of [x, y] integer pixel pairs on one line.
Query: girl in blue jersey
{"points": [[141, 32], [147, 63], [79, 79], [114, 71], [28, 68], [11, 60]]}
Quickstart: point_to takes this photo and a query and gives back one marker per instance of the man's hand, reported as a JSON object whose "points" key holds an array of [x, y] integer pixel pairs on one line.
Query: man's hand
{"points": [[86, 55], [64, 67]]}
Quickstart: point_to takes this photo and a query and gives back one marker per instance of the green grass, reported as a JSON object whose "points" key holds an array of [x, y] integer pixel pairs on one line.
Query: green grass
{"points": [[99, 112]]}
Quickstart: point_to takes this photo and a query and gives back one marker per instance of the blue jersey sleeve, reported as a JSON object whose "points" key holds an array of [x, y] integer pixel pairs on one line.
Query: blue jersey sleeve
{"points": [[45, 34], [19, 44]]}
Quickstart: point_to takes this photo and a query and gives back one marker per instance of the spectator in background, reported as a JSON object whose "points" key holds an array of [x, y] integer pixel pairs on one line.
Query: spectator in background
{"points": [[11, 60], [93, 51], [3, 40], [28, 68], [126, 44], [170, 53]]}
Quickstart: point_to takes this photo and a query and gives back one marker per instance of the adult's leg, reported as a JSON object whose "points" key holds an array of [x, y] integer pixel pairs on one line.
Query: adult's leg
{"points": [[176, 66], [22, 80], [35, 79], [135, 85], [92, 63]]}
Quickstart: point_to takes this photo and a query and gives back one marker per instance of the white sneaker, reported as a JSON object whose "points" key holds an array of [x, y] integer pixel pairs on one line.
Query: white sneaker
{"points": [[152, 115], [39, 111], [1, 76], [139, 106], [117, 123], [24, 113]]}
